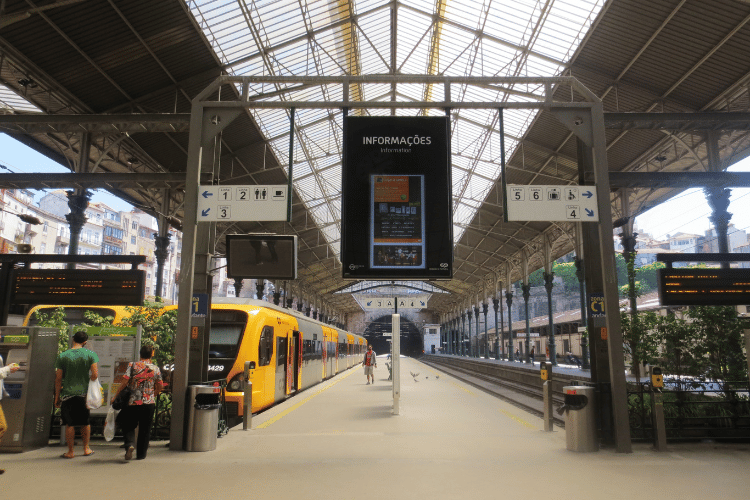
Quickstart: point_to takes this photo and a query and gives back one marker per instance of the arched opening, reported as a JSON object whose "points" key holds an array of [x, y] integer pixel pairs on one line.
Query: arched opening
{"points": [[411, 338]]}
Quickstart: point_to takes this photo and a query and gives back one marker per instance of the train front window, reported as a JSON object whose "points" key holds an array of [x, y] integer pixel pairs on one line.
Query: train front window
{"points": [[226, 334]]}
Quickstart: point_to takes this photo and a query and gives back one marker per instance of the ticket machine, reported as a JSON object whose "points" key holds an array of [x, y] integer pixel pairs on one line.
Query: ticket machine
{"points": [[29, 396]]}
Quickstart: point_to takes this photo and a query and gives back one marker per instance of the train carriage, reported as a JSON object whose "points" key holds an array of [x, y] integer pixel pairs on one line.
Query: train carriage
{"points": [[292, 352]]}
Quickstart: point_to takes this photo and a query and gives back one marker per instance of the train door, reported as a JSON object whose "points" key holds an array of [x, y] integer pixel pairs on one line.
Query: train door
{"points": [[337, 356], [293, 363], [282, 346]]}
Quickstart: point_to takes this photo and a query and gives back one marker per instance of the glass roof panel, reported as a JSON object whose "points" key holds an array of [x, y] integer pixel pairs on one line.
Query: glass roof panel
{"points": [[468, 37], [10, 102]]}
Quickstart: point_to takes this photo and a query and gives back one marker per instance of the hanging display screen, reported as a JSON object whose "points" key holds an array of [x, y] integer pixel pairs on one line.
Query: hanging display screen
{"points": [[261, 256], [396, 212]]}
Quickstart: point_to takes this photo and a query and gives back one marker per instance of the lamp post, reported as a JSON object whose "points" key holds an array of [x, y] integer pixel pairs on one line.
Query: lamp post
{"points": [[485, 308], [526, 292], [509, 302], [476, 328], [498, 327]]}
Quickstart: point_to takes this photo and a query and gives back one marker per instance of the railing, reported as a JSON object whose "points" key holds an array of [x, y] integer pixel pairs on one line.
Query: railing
{"points": [[692, 410]]}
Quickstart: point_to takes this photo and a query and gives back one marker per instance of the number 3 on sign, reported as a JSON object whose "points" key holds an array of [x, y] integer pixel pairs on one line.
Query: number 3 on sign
{"points": [[224, 212], [573, 212]]}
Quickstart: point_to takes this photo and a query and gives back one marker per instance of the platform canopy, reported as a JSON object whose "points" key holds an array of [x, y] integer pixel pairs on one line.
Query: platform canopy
{"points": [[139, 59]]}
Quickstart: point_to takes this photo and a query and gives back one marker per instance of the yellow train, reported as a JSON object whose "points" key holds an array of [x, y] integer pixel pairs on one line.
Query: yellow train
{"points": [[291, 351]]}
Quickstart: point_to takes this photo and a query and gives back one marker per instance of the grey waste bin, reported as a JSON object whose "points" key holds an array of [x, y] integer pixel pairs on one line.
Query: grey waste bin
{"points": [[580, 419], [203, 417]]}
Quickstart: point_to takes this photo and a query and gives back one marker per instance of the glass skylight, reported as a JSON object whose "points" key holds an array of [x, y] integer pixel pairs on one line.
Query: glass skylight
{"points": [[11, 102], [452, 38]]}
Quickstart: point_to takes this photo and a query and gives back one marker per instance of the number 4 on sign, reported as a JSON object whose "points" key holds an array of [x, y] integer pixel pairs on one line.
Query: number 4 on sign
{"points": [[573, 212]]}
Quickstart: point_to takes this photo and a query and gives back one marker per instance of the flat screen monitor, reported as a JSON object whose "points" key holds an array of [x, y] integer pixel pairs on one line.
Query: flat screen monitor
{"points": [[261, 256]]}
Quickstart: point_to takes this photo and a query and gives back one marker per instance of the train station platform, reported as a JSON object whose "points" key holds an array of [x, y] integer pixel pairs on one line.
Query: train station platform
{"points": [[340, 440]]}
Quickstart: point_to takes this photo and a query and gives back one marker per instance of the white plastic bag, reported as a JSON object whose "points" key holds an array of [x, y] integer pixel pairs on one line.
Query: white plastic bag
{"points": [[95, 396], [109, 424]]}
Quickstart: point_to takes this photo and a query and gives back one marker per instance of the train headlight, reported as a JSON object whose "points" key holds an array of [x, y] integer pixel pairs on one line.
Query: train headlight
{"points": [[236, 384]]}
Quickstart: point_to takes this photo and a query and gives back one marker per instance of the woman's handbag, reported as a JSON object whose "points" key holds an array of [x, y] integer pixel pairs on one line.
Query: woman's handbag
{"points": [[123, 398]]}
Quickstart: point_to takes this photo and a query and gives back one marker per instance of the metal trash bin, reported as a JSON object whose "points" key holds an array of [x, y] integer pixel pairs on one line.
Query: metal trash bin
{"points": [[203, 417], [580, 418]]}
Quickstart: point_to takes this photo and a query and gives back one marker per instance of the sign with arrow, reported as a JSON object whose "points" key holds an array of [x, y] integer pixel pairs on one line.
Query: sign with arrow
{"points": [[551, 203], [243, 203]]}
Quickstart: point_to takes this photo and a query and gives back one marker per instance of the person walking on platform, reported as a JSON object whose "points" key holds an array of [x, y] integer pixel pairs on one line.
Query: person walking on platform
{"points": [[73, 370], [145, 383], [531, 355], [370, 362], [4, 372]]}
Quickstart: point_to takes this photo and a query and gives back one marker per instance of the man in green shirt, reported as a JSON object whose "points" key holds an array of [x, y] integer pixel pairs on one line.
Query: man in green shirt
{"points": [[73, 370]]}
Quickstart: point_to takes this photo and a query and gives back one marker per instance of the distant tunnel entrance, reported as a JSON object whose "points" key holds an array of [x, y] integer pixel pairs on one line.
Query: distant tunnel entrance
{"points": [[411, 339]]}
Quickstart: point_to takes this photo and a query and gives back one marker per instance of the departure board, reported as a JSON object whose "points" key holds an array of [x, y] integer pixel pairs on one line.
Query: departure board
{"points": [[78, 286], [704, 287]]}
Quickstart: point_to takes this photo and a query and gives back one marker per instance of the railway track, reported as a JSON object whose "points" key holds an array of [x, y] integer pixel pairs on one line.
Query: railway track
{"points": [[527, 397]]}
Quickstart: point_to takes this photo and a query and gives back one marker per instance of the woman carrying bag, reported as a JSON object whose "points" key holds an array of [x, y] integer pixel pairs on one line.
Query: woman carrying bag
{"points": [[143, 378]]}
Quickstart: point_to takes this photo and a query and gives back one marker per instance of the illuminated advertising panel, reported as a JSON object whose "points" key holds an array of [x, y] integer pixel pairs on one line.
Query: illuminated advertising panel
{"points": [[396, 211]]}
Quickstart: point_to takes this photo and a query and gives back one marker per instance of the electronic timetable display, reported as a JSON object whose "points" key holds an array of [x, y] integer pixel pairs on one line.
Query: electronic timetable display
{"points": [[396, 209]]}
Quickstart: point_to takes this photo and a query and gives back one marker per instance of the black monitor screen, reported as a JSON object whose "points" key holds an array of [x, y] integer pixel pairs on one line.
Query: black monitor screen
{"points": [[251, 256]]}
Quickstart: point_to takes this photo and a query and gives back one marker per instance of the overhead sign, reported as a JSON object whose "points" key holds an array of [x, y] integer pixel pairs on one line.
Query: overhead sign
{"points": [[243, 203], [596, 305], [418, 302], [704, 287], [396, 198], [551, 203]]}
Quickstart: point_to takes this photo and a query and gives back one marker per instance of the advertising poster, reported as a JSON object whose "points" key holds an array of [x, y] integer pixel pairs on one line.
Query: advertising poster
{"points": [[396, 211], [116, 346]]}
